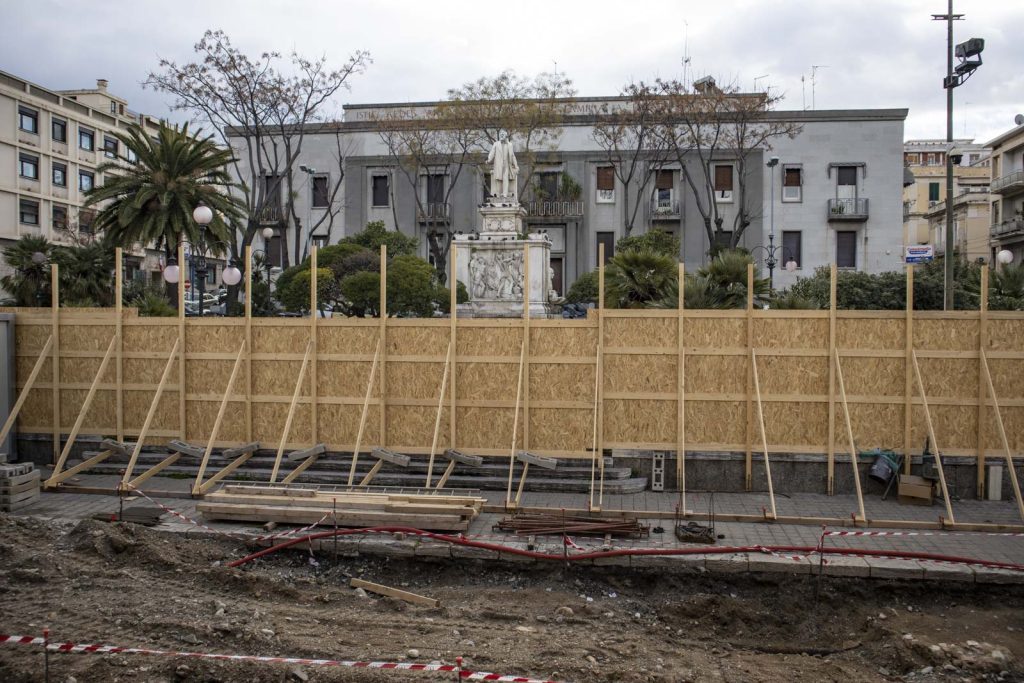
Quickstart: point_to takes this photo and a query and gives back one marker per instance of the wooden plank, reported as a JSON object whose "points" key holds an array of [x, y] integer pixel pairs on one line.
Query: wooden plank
{"points": [[366, 405], [526, 344], [748, 461], [248, 340], [1002, 434], [452, 339], [368, 477], [764, 436], [681, 391], [908, 392], [515, 422], [383, 403], [58, 477], [358, 518], [55, 334], [982, 343], [303, 466], [437, 418], [152, 412], [522, 483], [931, 434], [197, 487], [291, 413], [314, 313], [182, 388], [597, 446], [119, 335], [225, 471], [27, 387], [154, 470], [849, 436], [395, 593], [832, 360]]}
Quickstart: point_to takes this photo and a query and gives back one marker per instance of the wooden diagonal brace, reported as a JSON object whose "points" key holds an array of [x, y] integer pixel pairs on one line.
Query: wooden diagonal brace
{"points": [[9, 423], [437, 419], [366, 405], [931, 435], [1002, 435], [291, 411], [199, 486], [152, 412], [764, 437], [849, 435]]}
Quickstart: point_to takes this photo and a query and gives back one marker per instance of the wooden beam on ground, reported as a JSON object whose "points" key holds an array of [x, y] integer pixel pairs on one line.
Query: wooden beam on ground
{"points": [[198, 486], [152, 412], [1002, 434], [849, 435], [931, 435], [84, 410], [366, 407], [27, 387], [117, 446], [440, 408], [154, 470], [515, 423], [291, 412], [60, 476], [395, 593], [764, 436]]}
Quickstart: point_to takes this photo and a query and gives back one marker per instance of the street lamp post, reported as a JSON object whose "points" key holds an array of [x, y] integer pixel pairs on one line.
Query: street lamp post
{"points": [[771, 259], [202, 215]]}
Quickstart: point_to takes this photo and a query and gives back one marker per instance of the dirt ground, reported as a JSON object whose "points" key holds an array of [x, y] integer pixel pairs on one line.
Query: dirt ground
{"points": [[128, 585]]}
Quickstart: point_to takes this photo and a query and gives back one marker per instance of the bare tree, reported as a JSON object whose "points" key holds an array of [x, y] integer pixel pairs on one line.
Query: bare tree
{"points": [[717, 126], [263, 110], [630, 137]]}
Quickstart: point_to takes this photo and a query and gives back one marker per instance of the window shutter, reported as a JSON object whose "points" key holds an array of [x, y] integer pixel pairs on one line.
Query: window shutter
{"points": [[664, 180], [723, 178], [606, 178], [791, 178]]}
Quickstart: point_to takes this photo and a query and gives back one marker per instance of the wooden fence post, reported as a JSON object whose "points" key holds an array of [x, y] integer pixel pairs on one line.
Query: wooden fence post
{"points": [[982, 345], [908, 402], [119, 332], [832, 359], [748, 462], [383, 382], [681, 393], [55, 335]]}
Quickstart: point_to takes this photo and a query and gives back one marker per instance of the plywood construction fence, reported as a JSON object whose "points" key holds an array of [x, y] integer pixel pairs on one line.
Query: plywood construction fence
{"points": [[651, 363]]}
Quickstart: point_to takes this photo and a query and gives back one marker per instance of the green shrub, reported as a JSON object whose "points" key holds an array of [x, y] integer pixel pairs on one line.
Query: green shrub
{"points": [[584, 290], [657, 241]]}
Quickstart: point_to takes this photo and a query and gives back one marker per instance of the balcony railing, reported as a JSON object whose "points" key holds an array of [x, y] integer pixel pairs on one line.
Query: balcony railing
{"points": [[554, 208], [271, 215], [848, 209], [433, 211], [1011, 183], [662, 210], [1014, 226]]}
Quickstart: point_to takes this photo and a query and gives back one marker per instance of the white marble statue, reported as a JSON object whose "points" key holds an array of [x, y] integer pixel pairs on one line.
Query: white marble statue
{"points": [[504, 167]]}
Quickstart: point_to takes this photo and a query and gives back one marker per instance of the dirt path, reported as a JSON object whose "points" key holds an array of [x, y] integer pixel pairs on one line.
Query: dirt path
{"points": [[98, 582]]}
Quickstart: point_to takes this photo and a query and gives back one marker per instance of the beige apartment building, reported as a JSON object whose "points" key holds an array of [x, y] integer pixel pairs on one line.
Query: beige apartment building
{"points": [[924, 201], [51, 145], [1008, 191]]}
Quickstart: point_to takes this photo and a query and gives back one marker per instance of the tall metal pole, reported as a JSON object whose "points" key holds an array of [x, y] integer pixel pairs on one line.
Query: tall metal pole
{"points": [[948, 252], [771, 235]]}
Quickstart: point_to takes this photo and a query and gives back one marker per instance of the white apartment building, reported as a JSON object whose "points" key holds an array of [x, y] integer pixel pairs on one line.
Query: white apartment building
{"points": [[1007, 208]]}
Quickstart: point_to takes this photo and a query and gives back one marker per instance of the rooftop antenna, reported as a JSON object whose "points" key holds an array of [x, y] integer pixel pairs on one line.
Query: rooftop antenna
{"points": [[803, 92], [814, 73], [556, 66], [686, 51], [757, 78]]}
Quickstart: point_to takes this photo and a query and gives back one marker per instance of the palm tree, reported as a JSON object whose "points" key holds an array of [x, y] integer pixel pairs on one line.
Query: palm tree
{"points": [[634, 279], [86, 273], [151, 199], [29, 284]]}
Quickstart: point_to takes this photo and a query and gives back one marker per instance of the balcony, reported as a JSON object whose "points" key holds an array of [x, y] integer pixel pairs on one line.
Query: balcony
{"points": [[1009, 184], [854, 210], [1012, 227], [554, 208], [433, 212], [271, 215], [664, 210]]}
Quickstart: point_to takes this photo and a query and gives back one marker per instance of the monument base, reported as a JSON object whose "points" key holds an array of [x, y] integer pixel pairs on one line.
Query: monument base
{"points": [[494, 273]]}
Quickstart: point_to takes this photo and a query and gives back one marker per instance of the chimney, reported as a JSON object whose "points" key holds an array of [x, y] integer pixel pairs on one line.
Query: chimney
{"points": [[101, 84]]}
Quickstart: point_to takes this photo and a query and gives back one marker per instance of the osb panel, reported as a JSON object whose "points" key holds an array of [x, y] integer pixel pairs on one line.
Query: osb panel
{"points": [[360, 339], [639, 421], [1013, 423], [339, 425], [414, 426], [418, 341], [949, 377], [1003, 335], [24, 365], [489, 341], [872, 376], [955, 427], [870, 333], [792, 374], [211, 376], [83, 370], [148, 371], [560, 382], [414, 380], [214, 338], [345, 379], [291, 339], [278, 378], [640, 373], [29, 339], [200, 416], [560, 429], [716, 422], [715, 333], [799, 424], [37, 411], [136, 407], [487, 381], [627, 332], [86, 337], [102, 413], [268, 423], [946, 335], [874, 426], [716, 374], [791, 333], [578, 342], [486, 428], [156, 338], [1007, 377]]}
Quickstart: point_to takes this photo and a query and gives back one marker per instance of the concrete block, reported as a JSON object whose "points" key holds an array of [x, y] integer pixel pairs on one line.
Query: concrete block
{"points": [[839, 565], [991, 575], [940, 571], [727, 564], [779, 565], [885, 568]]}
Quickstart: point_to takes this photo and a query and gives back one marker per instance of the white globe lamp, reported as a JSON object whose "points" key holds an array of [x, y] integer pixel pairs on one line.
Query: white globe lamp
{"points": [[231, 276], [1005, 256], [202, 214], [172, 273], [791, 265]]}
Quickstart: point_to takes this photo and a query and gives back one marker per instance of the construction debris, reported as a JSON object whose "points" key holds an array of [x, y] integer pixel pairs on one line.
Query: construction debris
{"points": [[395, 593], [19, 486], [536, 523], [344, 506]]}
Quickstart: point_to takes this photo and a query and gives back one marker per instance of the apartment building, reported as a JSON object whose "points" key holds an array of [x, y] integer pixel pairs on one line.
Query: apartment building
{"points": [[1007, 208]]}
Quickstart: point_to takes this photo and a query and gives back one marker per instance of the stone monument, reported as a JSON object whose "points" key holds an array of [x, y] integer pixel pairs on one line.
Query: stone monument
{"points": [[491, 263]]}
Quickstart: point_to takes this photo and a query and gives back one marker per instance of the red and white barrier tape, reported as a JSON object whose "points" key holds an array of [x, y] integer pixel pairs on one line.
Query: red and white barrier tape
{"points": [[87, 648], [923, 533], [569, 542]]}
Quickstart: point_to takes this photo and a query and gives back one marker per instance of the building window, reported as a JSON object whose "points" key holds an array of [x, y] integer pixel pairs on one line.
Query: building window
{"points": [[846, 249], [608, 240], [605, 184], [109, 147], [321, 200], [28, 166], [933, 192], [59, 130], [913, 159], [60, 217], [723, 239], [28, 212], [791, 247], [86, 139], [846, 182], [380, 190], [792, 184], [435, 188], [546, 186], [130, 155], [723, 182], [28, 120], [85, 180], [113, 107], [60, 175], [663, 187]]}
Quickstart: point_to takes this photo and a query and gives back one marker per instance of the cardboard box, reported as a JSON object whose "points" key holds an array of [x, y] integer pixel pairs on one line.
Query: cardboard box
{"points": [[915, 490]]}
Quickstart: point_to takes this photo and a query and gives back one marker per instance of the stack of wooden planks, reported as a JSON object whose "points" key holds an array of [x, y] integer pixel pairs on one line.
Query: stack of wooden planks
{"points": [[538, 524], [344, 506]]}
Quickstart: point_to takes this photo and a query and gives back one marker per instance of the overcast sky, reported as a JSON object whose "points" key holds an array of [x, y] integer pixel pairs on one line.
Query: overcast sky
{"points": [[873, 53]]}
